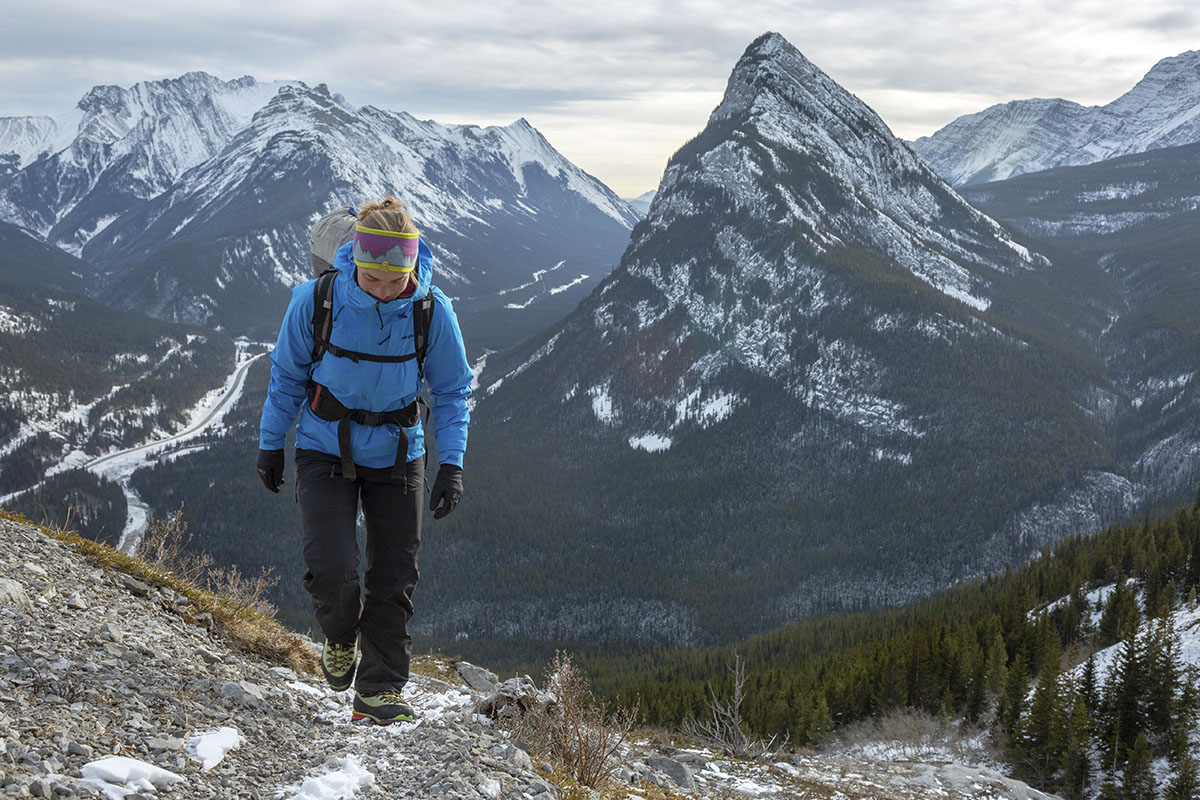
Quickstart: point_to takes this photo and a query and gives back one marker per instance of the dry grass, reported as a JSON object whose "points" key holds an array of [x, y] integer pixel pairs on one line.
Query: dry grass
{"points": [[909, 735], [233, 618], [437, 666], [165, 547]]}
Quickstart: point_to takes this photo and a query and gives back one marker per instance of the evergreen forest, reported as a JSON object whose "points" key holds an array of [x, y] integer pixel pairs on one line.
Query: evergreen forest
{"points": [[1074, 662]]}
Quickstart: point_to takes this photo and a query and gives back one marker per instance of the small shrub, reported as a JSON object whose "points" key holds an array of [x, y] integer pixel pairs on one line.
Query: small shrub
{"points": [[165, 546], [909, 735], [575, 730]]}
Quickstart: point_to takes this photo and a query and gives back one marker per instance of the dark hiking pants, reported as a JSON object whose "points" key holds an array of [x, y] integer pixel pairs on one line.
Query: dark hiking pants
{"points": [[379, 614]]}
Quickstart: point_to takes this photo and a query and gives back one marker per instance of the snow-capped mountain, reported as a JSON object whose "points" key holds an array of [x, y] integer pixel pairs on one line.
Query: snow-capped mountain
{"points": [[67, 177], [814, 364], [194, 197], [1022, 136]]}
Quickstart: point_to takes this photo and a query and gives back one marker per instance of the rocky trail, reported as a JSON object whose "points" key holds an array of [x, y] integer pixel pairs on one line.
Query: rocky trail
{"points": [[107, 690]]}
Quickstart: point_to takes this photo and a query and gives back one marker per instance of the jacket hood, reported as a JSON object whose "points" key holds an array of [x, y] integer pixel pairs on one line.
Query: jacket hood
{"points": [[343, 262]]}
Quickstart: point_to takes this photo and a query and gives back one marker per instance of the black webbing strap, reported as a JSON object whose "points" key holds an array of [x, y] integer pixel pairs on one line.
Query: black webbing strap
{"points": [[322, 318], [322, 322], [327, 407], [356, 356], [422, 319]]}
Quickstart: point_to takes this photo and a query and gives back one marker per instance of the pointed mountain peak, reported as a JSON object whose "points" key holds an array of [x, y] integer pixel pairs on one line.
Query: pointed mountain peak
{"points": [[773, 74], [770, 44]]}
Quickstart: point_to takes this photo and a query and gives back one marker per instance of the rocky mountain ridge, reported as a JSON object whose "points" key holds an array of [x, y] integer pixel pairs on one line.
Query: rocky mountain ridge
{"points": [[116, 147], [1023, 136], [193, 198], [814, 366], [106, 689]]}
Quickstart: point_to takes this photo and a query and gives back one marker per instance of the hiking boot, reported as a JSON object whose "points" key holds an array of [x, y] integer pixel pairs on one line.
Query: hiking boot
{"points": [[382, 708], [337, 662]]}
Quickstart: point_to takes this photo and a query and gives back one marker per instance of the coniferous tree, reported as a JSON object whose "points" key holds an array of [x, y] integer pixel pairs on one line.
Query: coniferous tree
{"points": [[1161, 669], [997, 660], [1186, 783], [1137, 781], [1087, 685], [1045, 735], [1123, 715], [1120, 613], [1077, 764], [821, 724], [1012, 705], [977, 693]]}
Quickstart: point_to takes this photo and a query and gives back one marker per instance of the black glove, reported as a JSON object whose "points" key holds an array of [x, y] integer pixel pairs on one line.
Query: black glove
{"points": [[270, 469], [447, 489]]}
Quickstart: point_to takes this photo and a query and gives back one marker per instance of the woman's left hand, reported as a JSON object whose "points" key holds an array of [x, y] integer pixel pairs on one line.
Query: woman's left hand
{"points": [[447, 490]]}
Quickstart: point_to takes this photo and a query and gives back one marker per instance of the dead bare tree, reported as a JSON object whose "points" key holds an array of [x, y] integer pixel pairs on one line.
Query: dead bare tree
{"points": [[724, 728]]}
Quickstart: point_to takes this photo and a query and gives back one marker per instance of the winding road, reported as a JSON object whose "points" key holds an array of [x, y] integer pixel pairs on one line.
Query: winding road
{"points": [[120, 466], [233, 389]]}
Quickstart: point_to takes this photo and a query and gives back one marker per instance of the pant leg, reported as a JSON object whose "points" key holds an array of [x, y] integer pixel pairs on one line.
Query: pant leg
{"points": [[393, 520], [328, 513]]}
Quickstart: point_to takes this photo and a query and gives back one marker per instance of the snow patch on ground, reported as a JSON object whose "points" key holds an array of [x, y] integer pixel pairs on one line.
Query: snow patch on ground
{"points": [[341, 782], [210, 748], [602, 404], [651, 443], [119, 776]]}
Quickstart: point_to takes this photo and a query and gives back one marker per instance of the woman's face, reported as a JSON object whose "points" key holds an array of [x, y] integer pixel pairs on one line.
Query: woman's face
{"points": [[384, 285]]}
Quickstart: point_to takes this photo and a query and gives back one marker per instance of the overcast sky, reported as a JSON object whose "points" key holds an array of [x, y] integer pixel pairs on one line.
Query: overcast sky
{"points": [[617, 87]]}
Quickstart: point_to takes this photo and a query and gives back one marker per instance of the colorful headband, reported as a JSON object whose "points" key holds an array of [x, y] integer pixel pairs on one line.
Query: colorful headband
{"points": [[390, 250]]}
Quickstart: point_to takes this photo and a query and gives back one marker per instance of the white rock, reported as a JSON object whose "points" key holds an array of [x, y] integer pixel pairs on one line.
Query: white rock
{"points": [[13, 593]]}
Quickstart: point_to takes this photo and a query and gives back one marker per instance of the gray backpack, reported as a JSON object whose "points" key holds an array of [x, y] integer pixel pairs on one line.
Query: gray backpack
{"points": [[328, 234]]}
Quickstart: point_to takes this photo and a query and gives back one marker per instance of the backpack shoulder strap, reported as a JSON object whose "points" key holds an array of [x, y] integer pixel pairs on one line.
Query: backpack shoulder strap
{"points": [[422, 318], [322, 318]]}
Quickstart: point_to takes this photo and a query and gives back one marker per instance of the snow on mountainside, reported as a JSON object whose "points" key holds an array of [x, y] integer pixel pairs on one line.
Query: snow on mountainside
{"points": [[808, 319], [1022, 136], [117, 145], [206, 189], [818, 173], [1136, 217]]}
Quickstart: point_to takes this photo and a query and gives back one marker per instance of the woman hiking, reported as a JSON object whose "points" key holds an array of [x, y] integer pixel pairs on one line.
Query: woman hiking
{"points": [[359, 439]]}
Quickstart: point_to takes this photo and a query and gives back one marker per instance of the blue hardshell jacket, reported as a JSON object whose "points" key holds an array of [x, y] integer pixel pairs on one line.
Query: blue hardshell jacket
{"points": [[366, 325]]}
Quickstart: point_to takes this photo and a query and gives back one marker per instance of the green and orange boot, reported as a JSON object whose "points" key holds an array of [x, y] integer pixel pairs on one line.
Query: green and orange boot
{"points": [[382, 708], [337, 662]]}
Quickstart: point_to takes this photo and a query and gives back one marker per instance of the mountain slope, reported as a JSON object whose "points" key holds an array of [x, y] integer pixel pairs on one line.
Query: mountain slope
{"points": [[26, 259], [1022, 136], [1135, 216], [71, 176], [814, 366], [78, 379], [974, 654], [197, 704], [199, 213]]}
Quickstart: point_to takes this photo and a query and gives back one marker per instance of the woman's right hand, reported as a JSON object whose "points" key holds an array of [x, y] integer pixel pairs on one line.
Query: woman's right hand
{"points": [[270, 469]]}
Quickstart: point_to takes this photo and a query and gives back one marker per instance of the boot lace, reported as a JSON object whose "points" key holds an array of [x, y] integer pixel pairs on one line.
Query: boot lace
{"points": [[386, 698], [339, 657]]}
